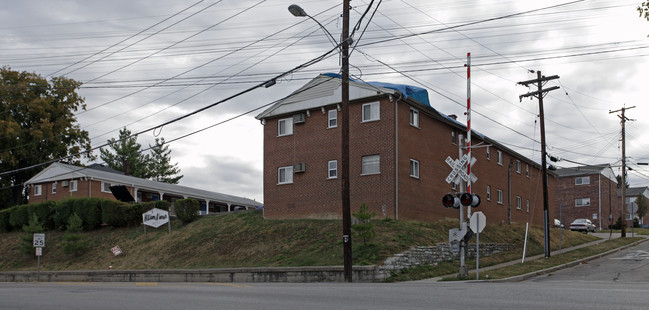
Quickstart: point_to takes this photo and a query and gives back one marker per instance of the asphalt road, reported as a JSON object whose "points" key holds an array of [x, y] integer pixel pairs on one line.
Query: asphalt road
{"points": [[619, 281]]}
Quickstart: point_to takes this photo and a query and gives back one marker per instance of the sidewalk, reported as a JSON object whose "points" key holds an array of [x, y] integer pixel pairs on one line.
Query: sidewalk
{"points": [[604, 236]]}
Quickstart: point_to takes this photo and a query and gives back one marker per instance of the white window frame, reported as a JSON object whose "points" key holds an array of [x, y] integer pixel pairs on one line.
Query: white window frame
{"points": [[500, 157], [38, 190], [519, 203], [527, 205], [105, 189], [527, 170], [288, 127], [454, 137], [53, 187], [518, 166], [332, 118], [332, 169], [453, 186], [582, 180], [74, 185], [488, 192], [488, 152], [287, 175], [414, 117], [371, 164], [582, 202], [374, 112], [414, 168], [500, 196]]}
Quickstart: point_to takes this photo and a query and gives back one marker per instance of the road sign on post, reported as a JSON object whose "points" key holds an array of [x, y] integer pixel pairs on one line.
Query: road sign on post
{"points": [[39, 240], [478, 222]]}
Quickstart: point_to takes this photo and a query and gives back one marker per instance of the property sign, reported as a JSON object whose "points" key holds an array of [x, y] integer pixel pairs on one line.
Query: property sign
{"points": [[39, 240], [116, 250], [155, 217]]}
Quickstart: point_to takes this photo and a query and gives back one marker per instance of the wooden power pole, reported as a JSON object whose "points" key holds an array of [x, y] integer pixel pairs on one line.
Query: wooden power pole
{"points": [[540, 93], [623, 185]]}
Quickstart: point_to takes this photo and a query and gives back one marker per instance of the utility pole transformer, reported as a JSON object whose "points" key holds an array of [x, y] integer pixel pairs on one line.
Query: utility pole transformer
{"points": [[623, 185], [539, 94]]}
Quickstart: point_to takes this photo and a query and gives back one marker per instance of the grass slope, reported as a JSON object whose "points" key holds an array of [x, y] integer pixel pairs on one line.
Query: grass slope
{"points": [[245, 239]]}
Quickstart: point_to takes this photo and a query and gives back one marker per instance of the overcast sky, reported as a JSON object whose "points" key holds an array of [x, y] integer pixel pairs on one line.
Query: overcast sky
{"points": [[146, 62]]}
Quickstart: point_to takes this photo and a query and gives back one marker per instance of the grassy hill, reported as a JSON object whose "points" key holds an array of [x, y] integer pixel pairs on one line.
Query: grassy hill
{"points": [[245, 239]]}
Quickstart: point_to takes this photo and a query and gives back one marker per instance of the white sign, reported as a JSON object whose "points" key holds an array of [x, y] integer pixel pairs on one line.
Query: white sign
{"points": [[39, 251], [116, 250], [456, 234], [478, 222], [39, 240], [459, 170], [155, 217], [632, 207]]}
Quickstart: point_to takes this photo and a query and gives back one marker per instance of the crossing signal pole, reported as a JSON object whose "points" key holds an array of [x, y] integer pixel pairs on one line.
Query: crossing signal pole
{"points": [[623, 185], [539, 94]]}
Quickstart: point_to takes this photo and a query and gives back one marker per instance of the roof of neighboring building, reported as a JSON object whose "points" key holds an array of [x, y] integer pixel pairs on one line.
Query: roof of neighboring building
{"points": [[604, 169], [634, 191], [61, 172]]}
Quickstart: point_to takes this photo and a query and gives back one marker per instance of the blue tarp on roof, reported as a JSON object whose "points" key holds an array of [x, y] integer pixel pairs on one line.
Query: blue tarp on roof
{"points": [[415, 92]]}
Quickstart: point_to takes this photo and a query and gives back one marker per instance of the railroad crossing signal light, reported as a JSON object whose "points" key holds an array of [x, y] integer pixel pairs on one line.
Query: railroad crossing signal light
{"points": [[472, 200], [451, 201]]}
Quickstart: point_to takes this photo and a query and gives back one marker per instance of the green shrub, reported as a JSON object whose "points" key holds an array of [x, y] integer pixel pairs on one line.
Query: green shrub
{"points": [[5, 225], [19, 216], [73, 241], [62, 213], [34, 226], [113, 213], [187, 209], [89, 210], [161, 204], [45, 212]]}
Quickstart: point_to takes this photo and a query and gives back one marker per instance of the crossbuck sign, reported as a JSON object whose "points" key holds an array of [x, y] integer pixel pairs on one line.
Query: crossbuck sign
{"points": [[459, 170]]}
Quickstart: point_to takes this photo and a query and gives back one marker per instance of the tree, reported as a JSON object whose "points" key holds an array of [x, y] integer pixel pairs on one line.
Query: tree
{"points": [[619, 181], [34, 226], [38, 124], [126, 151], [643, 9], [160, 166], [73, 241]]}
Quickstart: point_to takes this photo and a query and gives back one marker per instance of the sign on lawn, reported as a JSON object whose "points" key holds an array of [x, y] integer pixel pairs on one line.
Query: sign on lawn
{"points": [[155, 217]]}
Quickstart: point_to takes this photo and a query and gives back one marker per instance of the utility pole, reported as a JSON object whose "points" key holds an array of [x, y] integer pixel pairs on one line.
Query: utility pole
{"points": [[623, 185], [539, 94], [347, 221]]}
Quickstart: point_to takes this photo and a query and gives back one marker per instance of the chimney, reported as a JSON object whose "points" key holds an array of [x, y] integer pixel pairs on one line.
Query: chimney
{"points": [[127, 167], [453, 116]]}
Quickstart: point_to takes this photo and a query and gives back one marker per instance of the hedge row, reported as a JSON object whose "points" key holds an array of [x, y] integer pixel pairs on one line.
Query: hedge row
{"points": [[93, 212]]}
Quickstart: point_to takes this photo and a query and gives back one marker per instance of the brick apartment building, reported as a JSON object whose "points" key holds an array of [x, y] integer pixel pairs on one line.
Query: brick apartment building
{"points": [[60, 181], [587, 192], [398, 147]]}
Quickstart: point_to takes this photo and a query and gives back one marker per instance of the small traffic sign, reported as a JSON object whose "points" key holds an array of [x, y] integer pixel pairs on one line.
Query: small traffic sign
{"points": [[39, 240], [478, 222], [39, 251]]}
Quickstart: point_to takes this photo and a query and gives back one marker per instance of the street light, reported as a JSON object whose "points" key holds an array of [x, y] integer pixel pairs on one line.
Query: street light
{"points": [[296, 10]]}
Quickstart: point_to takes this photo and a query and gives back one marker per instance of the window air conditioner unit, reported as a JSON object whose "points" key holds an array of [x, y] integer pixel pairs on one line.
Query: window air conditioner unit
{"points": [[299, 118], [299, 167], [65, 183]]}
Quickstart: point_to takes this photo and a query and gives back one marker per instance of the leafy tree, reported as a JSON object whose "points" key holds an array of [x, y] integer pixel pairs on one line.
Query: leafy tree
{"points": [[126, 150], [643, 9], [619, 181], [160, 166], [38, 124], [366, 251]]}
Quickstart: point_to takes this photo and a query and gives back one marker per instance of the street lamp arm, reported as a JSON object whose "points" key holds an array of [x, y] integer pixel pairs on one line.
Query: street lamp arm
{"points": [[297, 11]]}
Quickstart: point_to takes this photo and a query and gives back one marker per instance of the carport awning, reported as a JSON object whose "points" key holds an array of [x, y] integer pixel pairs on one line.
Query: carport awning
{"points": [[121, 193]]}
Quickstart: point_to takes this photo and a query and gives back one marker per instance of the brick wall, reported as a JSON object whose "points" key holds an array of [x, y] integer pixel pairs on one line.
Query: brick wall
{"points": [[603, 199]]}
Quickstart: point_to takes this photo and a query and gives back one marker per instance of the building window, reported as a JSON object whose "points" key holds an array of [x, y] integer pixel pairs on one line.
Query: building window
{"points": [[333, 169], [371, 164], [500, 157], [333, 119], [371, 112], [414, 168], [453, 136], [454, 186], [105, 187], [73, 186], [414, 117], [519, 203], [518, 166], [38, 190], [488, 193], [285, 127], [500, 196], [527, 205], [54, 188], [582, 180], [527, 170], [285, 175], [488, 152], [582, 202]]}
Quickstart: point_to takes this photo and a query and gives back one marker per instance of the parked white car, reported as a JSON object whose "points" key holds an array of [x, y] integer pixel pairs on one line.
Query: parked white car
{"points": [[584, 225]]}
